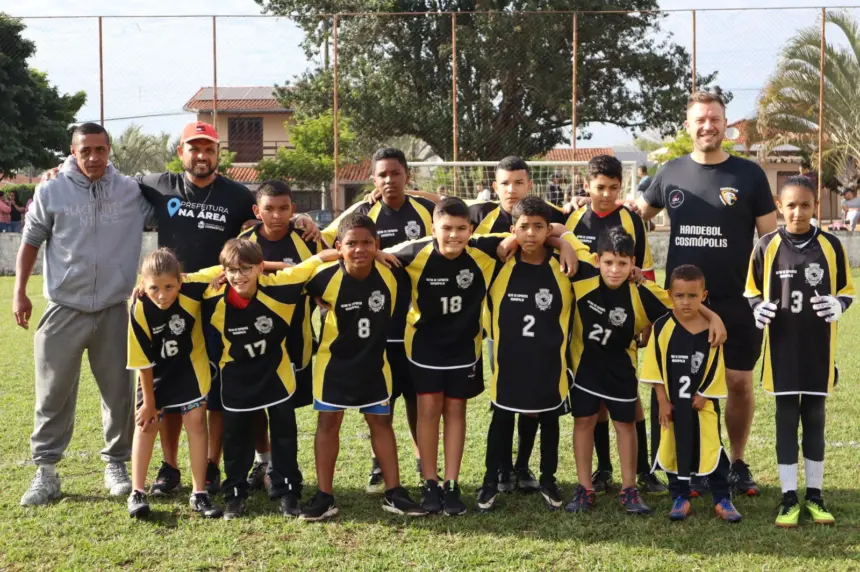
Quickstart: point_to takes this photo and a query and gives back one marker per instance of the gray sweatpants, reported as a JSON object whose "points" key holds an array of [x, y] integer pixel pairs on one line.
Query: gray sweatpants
{"points": [[61, 338]]}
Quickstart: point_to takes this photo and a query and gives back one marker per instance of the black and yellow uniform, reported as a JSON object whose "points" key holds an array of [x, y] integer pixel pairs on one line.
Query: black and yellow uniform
{"points": [[789, 271], [587, 225], [171, 342], [291, 249], [443, 328], [685, 364], [351, 368], [490, 218], [603, 343]]}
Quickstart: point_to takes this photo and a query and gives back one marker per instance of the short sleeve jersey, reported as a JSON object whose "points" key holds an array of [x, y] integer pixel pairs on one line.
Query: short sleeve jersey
{"points": [[588, 226], [196, 222], [443, 329], [351, 368], [491, 218], [800, 346], [713, 211]]}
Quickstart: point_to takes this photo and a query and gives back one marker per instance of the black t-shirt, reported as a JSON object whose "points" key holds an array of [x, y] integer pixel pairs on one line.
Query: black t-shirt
{"points": [[196, 222], [713, 211], [14, 214]]}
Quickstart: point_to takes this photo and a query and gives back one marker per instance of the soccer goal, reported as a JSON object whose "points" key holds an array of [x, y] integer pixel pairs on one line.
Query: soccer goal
{"points": [[553, 180]]}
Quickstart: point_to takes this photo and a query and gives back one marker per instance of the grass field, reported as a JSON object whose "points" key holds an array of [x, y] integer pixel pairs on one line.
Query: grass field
{"points": [[86, 529]]}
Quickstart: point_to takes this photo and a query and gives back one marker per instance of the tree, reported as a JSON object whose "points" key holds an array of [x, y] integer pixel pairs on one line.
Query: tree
{"points": [[34, 117], [682, 145], [135, 152], [225, 161], [514, 71]]}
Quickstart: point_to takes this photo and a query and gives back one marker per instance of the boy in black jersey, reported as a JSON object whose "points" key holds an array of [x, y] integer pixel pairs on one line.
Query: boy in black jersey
{"points": [[283, 246]]}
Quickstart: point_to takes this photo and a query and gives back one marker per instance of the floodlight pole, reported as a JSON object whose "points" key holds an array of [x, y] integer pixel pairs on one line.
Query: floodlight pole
{"points": [[821, 106]]}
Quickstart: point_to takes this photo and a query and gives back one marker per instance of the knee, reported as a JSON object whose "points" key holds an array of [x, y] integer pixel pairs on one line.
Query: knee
{"points": [[739, 383], [430, 405], [585, 423], [455, 408], [329, 423]]}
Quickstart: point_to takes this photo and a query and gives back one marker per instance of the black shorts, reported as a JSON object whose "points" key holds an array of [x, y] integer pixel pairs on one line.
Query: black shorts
{"points": [[401, 380], [743, 346], [585, 404], [304, 394], [459, 383]]}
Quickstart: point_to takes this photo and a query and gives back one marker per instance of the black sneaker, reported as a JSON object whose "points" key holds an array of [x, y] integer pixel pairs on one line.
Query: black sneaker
{"points": [[601, 480], [397, 501], [454, 505], [290, 505], [235, 508], [213, 478], [202, 504], [320, 507], [699, 487], [487, 497], [431, 497], [137, 505], [166, 481], [649, 483], [376, 482], [526, 481], [257, 476], [740, 478], [551, 495], [507, 482]]}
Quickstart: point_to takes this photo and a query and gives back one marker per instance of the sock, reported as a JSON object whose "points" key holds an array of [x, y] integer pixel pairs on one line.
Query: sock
{"points": [[601, 445], [814, 474], [788, 477], [813, 493], [374, 466], [642, 464], [141, 491], [49, 470], [194, 493], [263, 457]]}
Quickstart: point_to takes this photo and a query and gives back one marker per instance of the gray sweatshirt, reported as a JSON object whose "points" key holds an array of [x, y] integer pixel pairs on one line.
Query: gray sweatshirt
{"points": [[94, 231]]}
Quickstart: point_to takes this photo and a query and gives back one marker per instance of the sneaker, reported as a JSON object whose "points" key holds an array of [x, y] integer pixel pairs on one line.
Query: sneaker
{"points": [[137, 505], [431, 497], [397, 501], [213, 478], [507, 482], [819, 514], [454, 505], [235, 508], [727, 511], [526, 481], [551, 495], [376, 483], [117, 480], [320, 507], [487, 497], [202, 504], [740, 478], [681, 509], [649, 483], [44, 488], [632, 502], [257, 476], [583, 500], [788, 514], [699, 487], [166, 481], [601, 480], [290, 505]]}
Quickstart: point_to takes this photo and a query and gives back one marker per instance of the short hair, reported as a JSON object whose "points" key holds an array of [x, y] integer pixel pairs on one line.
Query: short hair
{"points": [[617, 241], [451, 206], [532, 206], [161, 261], [388, 153], [513, 163], [355, 220], [605, 165], [274, 188], [90, 129], [442, 189], [240, 251], [799, 181], [708, 95], [806, 164], [687, 273], [642, 168]]}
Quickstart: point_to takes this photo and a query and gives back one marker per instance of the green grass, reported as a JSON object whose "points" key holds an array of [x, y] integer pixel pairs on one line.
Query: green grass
{"points": [[86, 529]]}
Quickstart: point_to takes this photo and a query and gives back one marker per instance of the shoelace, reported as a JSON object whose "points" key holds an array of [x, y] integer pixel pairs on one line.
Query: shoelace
{"points": [[40, 479], [117, 472]]}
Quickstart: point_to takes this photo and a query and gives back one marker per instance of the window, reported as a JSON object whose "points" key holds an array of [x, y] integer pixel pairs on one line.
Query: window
{"points": [[245, 138]]}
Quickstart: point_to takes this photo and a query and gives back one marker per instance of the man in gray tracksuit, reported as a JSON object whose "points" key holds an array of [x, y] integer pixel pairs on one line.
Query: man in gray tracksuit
{"points": [[91, 219]]}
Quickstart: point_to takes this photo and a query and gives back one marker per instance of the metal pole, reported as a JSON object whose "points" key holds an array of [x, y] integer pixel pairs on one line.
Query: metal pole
{"points": [[334, 190], [101, 75], [694, 50], [575, 41], [455, 123], [821, 107], [215, 74]]}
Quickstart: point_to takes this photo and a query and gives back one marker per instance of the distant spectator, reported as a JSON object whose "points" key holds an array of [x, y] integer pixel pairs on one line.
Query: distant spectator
{"points": [[851, 208], [5, 214], [16, 215], [483, 193], [557, 193], [644, 179]]}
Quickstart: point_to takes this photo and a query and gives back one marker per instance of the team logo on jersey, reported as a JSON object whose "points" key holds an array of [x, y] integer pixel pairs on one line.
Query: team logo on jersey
{"points": [[465, 278], [376, 301], [543, 299], [201, 225], [413, 229], [617, 316], [676, 198], [814, 274], [696, 362], [176, 324], [728, 196], [264, 324]]}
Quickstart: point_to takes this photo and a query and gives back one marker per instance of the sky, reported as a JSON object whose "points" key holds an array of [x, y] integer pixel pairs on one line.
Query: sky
{"points": [[152, 66]]}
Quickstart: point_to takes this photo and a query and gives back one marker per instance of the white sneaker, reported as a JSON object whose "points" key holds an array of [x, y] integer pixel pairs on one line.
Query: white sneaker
{"points": [[117, 480], [43, 489]]}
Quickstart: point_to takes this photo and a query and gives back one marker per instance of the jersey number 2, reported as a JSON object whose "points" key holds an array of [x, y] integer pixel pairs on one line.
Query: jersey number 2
{"points": [[684, 391], [528, 324]]}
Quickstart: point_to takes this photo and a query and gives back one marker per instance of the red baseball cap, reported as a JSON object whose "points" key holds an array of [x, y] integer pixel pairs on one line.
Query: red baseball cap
{"points": [[199, 130]]}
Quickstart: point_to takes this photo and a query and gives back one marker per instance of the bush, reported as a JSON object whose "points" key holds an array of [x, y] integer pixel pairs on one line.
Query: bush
{"points": [[23, 191]]}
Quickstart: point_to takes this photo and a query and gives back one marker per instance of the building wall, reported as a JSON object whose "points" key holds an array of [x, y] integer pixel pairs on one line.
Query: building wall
{"points": [[273, 124]]}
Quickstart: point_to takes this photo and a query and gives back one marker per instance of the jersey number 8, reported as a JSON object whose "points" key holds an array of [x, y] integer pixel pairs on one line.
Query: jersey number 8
{"points": [[363, 328]]}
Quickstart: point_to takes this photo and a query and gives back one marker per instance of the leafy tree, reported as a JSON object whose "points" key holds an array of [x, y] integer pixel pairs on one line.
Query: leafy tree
{"points": [[225, 161], [135, 152], [34, 116], [514, 71], [682, 145]]}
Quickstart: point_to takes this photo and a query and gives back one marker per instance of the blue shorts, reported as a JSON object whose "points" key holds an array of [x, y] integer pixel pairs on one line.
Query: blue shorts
{"points": [[378, 409]]}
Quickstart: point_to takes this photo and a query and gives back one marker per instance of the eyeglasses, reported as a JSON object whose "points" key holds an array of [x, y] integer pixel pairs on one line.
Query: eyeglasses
{"points": [[243, 270]]}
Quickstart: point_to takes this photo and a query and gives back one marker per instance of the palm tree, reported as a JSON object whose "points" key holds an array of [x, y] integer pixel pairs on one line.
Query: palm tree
{"points": [[135, 152]]}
